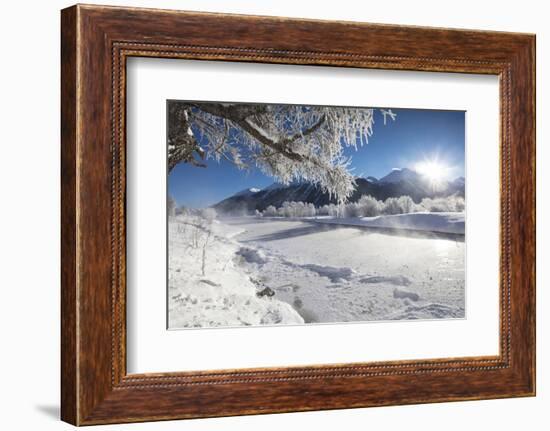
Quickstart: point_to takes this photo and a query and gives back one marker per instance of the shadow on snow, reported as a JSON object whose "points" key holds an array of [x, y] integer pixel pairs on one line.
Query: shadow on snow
{"points": [[315, 227]]}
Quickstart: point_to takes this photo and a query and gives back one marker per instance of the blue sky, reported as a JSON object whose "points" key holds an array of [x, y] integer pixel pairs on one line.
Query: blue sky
{"points": [[416, 135]]}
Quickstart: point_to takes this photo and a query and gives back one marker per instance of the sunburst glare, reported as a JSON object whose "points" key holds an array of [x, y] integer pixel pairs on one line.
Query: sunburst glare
{"points": [[434, 170]]}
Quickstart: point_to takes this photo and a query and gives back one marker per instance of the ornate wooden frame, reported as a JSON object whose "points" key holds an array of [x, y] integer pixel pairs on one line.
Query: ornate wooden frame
{"points": [[95, 43]]}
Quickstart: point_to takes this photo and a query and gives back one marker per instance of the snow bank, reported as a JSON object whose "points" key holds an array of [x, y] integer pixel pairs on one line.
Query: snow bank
{"points": [[445, 222], [208, 287]]}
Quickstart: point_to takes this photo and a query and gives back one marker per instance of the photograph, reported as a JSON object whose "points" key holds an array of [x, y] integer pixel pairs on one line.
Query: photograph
{"points": [[283, 214]]}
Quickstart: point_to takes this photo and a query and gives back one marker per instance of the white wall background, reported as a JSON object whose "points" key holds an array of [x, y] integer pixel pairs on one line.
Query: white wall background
{"points": [[29, 215]]}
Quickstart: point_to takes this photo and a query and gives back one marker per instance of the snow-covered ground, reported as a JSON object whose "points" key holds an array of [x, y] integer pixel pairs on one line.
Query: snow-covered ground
{"points": [[317, 272], [443, 222], [220, 293]]}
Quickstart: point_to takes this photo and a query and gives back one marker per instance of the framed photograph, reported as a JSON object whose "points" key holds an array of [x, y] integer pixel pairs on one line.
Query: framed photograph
{"points": [[266, 215]]}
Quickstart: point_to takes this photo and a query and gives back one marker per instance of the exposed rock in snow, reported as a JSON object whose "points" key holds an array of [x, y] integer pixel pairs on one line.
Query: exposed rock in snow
{"points": [[266, 291]]}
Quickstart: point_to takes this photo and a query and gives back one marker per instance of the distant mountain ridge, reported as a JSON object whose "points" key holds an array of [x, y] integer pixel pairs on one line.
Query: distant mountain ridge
{"points": [[400, 174], [247, 192], [397, 183]]}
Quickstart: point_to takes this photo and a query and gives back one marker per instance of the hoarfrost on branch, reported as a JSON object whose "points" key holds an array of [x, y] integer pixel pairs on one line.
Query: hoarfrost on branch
{"points": [[287, 142]]}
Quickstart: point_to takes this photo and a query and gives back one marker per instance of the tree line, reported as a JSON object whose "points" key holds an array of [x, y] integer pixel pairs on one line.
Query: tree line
{"points": [[367, 206]]}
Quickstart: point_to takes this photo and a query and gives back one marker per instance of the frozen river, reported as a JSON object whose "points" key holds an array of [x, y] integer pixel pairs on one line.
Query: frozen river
{"points": [[342, 274]]}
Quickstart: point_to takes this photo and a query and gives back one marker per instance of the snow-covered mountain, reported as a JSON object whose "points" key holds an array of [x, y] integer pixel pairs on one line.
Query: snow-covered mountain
{"points": [[401, 174], [247, 192], [459, 182], [397, 183]]}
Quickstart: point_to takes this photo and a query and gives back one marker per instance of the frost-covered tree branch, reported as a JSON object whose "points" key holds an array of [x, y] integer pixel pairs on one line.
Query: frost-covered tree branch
{"points": [[287, 142]]}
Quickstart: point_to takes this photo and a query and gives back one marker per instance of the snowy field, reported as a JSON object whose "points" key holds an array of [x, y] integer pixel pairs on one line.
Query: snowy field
{"points": [[253, 271], [207, 283]]}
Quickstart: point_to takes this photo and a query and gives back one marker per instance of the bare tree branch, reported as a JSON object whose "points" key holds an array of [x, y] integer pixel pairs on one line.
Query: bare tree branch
{"points": [[182, 145]]}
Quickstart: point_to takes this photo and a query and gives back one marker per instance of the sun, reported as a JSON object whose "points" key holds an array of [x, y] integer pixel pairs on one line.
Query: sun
{"points": [[434, 171]]}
